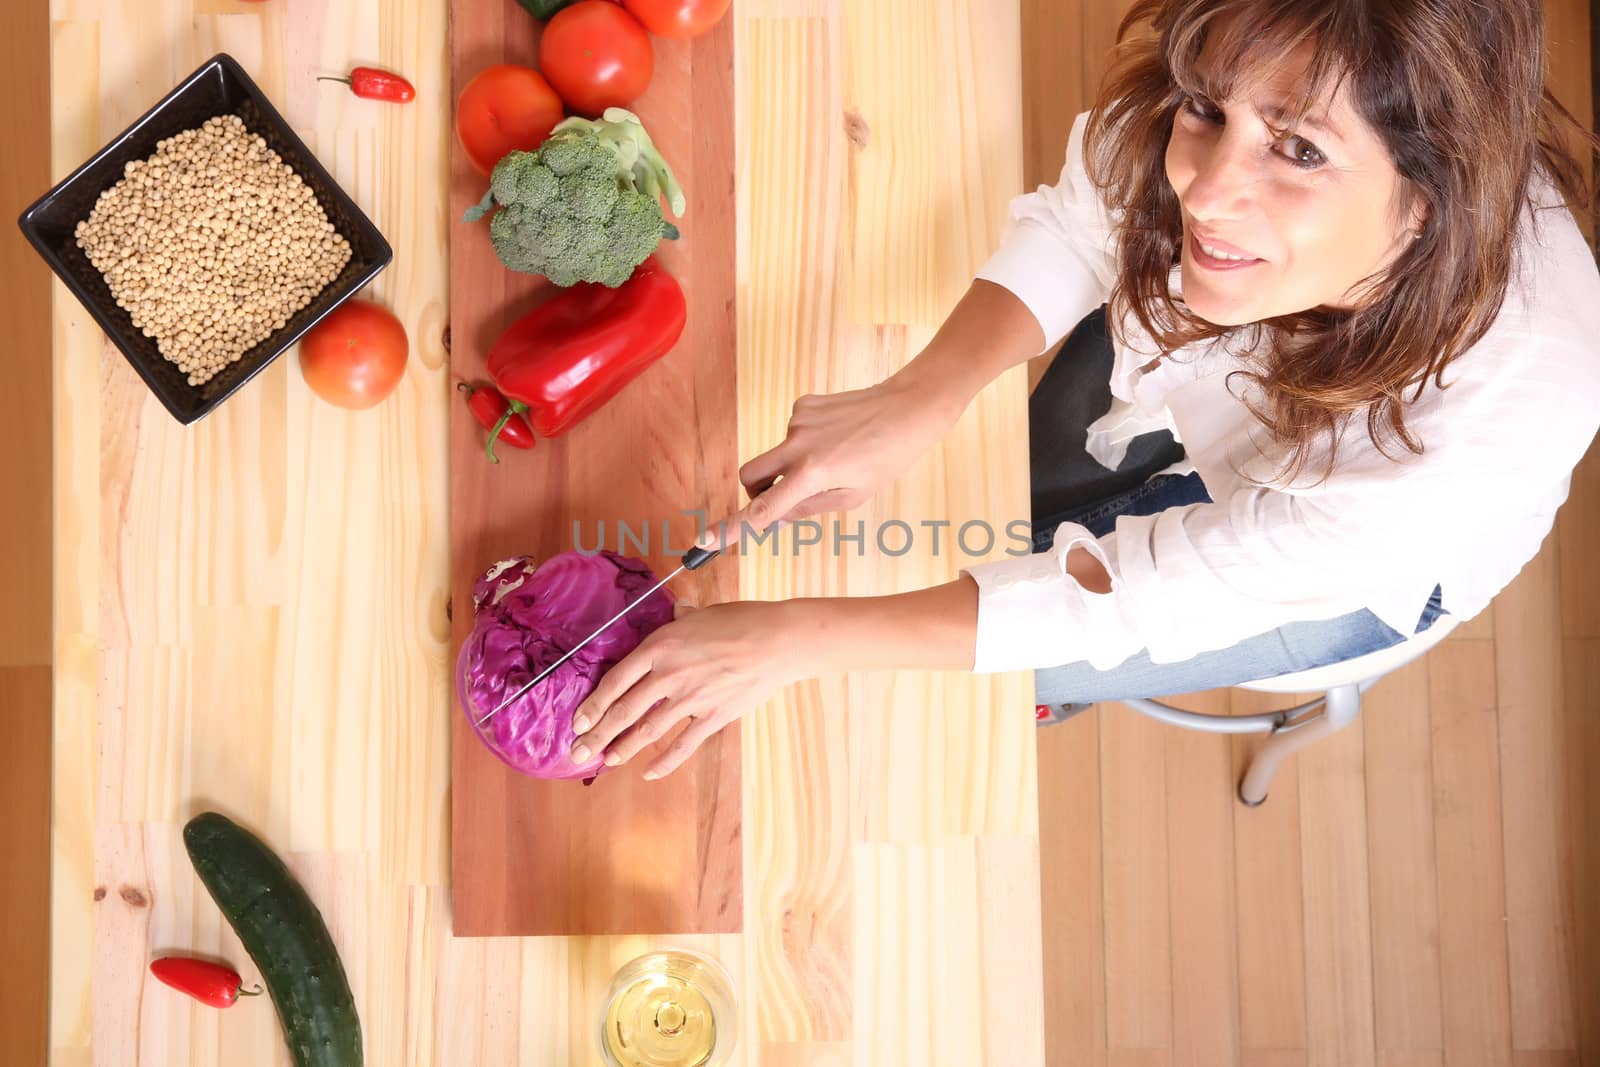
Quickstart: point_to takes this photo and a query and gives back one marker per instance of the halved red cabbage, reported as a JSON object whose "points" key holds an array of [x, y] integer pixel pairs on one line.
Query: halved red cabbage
{"points": [[528, 616]]}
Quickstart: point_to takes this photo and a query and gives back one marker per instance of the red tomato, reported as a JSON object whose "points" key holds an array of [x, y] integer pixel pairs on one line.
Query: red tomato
{"points": [[505, 108], [677, 18], [355, 356], [597, 56]]}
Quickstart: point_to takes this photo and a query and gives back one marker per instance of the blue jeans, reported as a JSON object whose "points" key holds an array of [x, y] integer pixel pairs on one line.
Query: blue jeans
{"points": [[1071, 486]]}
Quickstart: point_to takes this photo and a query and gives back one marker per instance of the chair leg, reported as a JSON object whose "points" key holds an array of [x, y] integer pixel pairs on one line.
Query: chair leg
{"points": [[1050, 714], [1340, 708]]}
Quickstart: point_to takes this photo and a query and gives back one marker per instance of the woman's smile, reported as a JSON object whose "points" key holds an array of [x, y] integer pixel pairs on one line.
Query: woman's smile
{"points": [[1210, 253]]}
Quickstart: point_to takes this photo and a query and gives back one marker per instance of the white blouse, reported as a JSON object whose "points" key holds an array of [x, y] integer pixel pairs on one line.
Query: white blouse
{"points": [[1500, 443]]}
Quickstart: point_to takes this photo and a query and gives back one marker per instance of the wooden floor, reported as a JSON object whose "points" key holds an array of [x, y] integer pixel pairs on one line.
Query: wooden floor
{"points": [[1422, 889]]}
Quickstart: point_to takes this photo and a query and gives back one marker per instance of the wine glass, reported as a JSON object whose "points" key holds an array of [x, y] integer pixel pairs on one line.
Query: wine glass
{"points": [[669, 1008]]}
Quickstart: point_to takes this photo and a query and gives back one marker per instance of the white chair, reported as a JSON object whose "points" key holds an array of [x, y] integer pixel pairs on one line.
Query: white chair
{"points": [[1294, 728]]}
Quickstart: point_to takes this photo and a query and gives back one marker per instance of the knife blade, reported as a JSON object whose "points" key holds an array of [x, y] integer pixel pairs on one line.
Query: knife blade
{"points": [[693, 559]]}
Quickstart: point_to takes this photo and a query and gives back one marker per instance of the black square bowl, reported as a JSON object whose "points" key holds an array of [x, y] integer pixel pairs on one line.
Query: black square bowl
{"points": [[219, 87]]}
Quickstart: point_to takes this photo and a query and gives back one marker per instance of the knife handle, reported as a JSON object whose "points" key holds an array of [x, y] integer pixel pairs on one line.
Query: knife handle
{"points": [[698, 557]]}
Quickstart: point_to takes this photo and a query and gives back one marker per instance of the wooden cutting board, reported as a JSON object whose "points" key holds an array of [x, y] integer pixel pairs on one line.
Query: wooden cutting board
{"points": [[622, 856]]}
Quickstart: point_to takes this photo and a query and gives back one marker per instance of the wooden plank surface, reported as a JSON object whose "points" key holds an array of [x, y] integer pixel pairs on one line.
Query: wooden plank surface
{"points": [[1469, 839], [1271, 901], [25, 836], [1134, 847], [1205, 985], [252, 613], [1538, 872], [622, 856], [25, 547], [1073, 893], [1338, 914], [908, 765], [1580, 732], [1403, 865]]}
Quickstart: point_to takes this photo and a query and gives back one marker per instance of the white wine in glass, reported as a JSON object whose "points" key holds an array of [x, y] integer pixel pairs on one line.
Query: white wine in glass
{"points": [[672, 1008]]}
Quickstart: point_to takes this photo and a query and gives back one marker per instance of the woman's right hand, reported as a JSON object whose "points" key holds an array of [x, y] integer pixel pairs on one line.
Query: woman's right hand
{"points": [[840, 449]]}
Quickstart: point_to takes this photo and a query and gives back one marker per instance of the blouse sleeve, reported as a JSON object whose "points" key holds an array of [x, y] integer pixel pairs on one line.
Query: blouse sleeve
{"points": [[1057, 254], [1187, 580]]}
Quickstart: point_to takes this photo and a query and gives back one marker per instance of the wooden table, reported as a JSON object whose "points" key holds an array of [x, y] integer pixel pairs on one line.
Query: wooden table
{"points": [[250, 613]]}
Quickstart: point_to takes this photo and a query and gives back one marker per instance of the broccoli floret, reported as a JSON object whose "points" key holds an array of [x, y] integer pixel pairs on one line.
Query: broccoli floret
{"points": [[630, 229], [585, 206], [505, 230], [515, 181], [559, 232], [591, 194], [566, 156], [590, 245]]}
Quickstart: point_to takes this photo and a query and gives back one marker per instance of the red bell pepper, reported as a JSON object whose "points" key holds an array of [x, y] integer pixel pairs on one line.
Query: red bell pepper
{"points": [[571, 354]]}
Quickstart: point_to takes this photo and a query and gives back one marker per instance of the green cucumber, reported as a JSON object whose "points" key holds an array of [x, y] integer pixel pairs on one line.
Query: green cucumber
{"points": [[284, 934]]}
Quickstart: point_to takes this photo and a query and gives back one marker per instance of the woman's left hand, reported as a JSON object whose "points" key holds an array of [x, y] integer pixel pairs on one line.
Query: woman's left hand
{"points": [[709, 666]]}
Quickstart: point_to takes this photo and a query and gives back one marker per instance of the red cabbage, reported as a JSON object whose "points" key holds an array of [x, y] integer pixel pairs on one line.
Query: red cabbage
{"points": [[526, 618]]}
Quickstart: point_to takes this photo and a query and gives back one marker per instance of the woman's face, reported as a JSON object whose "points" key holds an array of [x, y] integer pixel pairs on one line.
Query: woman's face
{"points": [[1272, 227]]}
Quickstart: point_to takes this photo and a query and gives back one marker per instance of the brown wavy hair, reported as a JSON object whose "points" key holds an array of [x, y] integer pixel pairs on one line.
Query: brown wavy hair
{"points": [[1456, 93]]}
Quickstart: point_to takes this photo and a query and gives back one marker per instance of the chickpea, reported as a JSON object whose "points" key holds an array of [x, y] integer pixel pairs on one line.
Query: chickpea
{"points": [[211, 245]]}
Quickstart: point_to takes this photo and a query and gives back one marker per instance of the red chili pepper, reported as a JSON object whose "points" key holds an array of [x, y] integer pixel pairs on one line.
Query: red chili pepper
{"points": [[571, 354], [370, 83], [501, 417], [210, 983]]}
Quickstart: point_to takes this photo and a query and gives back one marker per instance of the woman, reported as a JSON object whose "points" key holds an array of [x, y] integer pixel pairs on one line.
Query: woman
{"points": [[1343, 371]]}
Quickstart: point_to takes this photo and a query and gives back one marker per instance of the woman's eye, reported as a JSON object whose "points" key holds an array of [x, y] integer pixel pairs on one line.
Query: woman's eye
{"points": [[1306, 157], [1302, 153], [1204, 110]]}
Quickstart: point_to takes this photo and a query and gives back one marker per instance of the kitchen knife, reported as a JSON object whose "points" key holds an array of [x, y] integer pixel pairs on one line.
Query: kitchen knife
{"points": [[694, 559]]}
